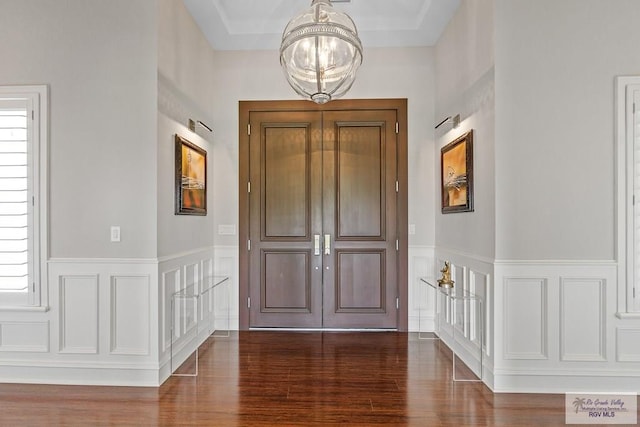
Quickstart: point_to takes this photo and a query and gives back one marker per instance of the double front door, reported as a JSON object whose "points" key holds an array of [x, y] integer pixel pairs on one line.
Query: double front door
{"points": [[322, 214]]}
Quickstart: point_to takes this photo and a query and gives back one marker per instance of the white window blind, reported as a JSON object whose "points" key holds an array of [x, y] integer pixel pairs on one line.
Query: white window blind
{"points": [[23, 172], [14, 196]]}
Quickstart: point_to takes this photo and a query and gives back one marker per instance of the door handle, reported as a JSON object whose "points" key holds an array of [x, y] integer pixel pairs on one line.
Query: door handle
{"points": [[316, 244], [327, 244]]}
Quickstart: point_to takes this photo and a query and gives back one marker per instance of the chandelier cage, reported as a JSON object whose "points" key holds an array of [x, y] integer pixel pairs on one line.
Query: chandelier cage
{"points": [[321, 52]]}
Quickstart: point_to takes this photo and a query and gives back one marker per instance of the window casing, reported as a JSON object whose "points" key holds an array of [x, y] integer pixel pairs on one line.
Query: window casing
{"points": [[23, 172], [628, 193]]}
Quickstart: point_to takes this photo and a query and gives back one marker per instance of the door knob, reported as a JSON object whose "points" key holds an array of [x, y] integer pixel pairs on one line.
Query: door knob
{"points": [[327, 244]]}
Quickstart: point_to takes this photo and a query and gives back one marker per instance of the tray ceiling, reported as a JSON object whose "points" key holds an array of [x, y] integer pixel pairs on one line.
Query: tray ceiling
{"points": [[258, 24]]}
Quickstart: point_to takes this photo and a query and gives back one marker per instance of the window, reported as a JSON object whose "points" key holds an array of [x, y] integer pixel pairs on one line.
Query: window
{"points": [[23, 148], [628, 178]]}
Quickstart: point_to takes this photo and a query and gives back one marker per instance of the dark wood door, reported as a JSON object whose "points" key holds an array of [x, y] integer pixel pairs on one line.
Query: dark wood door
{"points": [[322, 219]]}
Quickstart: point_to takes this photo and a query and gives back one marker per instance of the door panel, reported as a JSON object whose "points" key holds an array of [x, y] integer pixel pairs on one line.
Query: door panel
{"points": [[360, 287], [281, 269], [286, 177], [360, 170]]}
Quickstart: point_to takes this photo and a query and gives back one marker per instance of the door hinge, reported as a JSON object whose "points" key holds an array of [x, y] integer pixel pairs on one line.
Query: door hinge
{"points": [[249, 129], [397, 245], [397, 186], [249, 187], [33, 200], [248, 302], [33, 116], [249, 244], [397, 127], [634, 292], [634, 108], [33, 287], [397, 303]]}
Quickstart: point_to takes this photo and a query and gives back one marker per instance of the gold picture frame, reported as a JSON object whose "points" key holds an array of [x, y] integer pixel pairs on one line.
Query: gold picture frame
{"points": [[190, 178], [456, 173]]}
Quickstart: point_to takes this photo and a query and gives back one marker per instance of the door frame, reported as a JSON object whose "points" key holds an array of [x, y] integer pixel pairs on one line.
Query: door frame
{"points": [[398, 104]]}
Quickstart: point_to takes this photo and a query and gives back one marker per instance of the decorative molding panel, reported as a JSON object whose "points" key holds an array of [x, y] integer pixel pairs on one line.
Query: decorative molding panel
{"points": [[78, 314], [28, 337], [129, 315], [192, 274], [479, 285], [582, 319], [525, 318], [226, 263], [170, 284], [628, 344]]}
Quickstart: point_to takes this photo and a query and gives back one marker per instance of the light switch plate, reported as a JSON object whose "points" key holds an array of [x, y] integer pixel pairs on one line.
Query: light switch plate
{"points": [[227, 229], [412, 229], [115, 233]]}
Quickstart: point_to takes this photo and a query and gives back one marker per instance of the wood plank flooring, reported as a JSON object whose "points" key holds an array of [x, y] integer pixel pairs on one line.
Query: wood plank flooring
{"points": [[266, 378]]}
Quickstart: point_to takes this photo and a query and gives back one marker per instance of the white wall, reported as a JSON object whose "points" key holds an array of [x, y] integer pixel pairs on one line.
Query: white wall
{"points": [[99, 60], [465, 86], [186, 75], [555, 68]]}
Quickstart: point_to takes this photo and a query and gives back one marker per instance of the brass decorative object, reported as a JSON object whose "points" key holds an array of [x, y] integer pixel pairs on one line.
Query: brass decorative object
{"points": [[445, 281]]}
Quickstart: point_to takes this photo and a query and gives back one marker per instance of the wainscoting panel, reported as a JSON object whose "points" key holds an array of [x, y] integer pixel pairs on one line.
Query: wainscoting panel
{"points": [[129, 314], [525, 318], [628, 344], [421, 298], [226, 304], [79, 308], [27, 337], [170, 283], [478, 285], [582, 319]]}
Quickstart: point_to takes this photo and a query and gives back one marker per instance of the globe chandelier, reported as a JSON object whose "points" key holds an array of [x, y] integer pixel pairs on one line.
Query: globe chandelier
{"points": [[321, 52]]}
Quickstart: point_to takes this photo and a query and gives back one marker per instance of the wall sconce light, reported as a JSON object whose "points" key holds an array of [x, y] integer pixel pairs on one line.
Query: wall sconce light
{"points": [[455, 120], [192, 125]]}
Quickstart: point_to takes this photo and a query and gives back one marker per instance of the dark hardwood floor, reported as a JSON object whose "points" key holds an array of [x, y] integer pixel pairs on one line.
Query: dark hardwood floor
{"points": [[264, 378]]}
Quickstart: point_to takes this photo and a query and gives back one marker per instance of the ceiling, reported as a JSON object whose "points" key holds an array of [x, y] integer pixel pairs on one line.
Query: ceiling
{"points": [[258, 24]]}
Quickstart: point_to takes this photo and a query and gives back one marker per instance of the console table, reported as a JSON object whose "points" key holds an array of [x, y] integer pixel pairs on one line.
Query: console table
{"points": [[195, 294], [452, 296]]}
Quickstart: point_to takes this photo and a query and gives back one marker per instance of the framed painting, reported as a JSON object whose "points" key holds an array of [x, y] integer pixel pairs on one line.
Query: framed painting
{"points": [[456, 166], [191, 178]]}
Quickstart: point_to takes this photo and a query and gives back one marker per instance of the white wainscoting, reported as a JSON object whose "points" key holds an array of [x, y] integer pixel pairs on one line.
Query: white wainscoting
{"points": [[556, 329], [226, 300], [99, 328], [108, 321], [421, 299], [195, 318], [475, 275]]}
